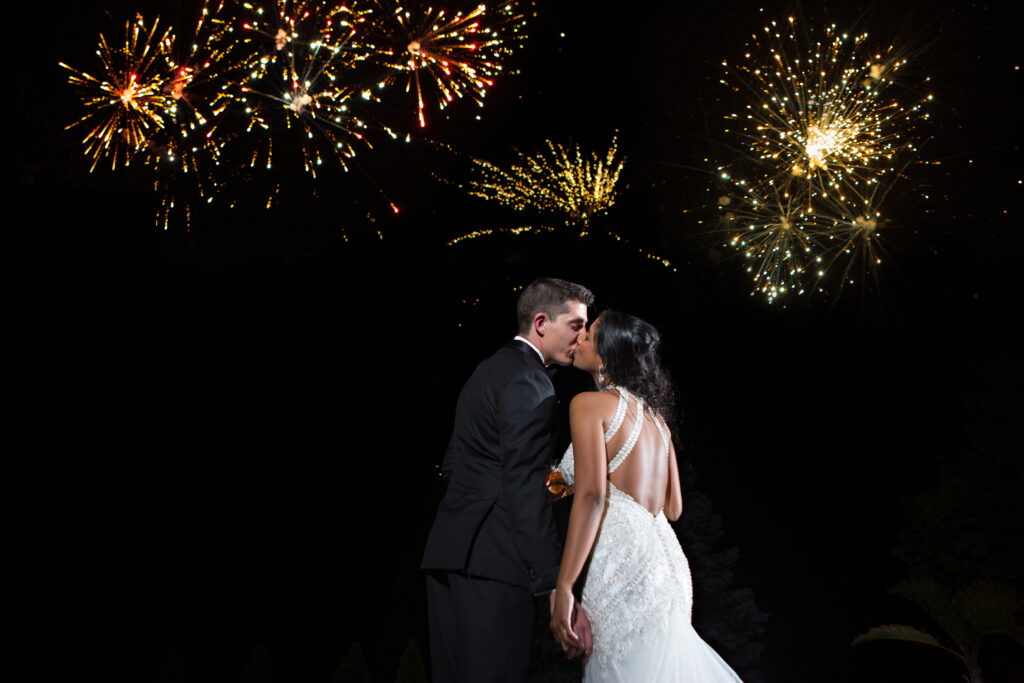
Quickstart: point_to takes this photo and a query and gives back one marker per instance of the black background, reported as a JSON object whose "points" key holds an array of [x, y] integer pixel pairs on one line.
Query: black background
{"points": [[231, 431]]}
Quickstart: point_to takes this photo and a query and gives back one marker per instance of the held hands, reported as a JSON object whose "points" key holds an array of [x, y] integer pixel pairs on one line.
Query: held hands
{"points": [[570, 625]]}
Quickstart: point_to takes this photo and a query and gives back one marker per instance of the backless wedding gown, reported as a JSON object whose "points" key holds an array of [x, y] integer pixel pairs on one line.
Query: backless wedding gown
{"points": [[638, 593]]}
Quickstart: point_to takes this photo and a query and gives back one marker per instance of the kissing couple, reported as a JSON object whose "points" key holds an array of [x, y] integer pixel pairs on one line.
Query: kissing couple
{"points": [[493, 547]]}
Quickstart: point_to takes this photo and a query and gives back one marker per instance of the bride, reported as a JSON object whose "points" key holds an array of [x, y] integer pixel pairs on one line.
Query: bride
{"points": [[638, 594]]}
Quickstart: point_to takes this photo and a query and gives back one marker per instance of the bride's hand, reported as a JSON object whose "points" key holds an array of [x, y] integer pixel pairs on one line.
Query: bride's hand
{"points": [[583, 630], [562, 608]]}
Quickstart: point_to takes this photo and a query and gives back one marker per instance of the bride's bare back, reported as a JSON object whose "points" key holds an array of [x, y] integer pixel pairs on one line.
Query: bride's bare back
{"points": [[649, 474]]}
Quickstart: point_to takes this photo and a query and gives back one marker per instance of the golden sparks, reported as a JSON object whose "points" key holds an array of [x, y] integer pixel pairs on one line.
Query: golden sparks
{"points": [[559, 181], [823, 129]]}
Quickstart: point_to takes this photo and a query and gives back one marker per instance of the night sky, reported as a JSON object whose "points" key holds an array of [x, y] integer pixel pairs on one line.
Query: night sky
{"points": [[233, 427]]}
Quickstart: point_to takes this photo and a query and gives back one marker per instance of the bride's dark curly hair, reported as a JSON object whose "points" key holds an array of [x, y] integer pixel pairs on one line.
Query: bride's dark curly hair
{"points": [[629, 348]]}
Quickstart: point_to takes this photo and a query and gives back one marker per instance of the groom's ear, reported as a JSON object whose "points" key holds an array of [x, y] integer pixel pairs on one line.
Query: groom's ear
{"points": [[540, 322]]}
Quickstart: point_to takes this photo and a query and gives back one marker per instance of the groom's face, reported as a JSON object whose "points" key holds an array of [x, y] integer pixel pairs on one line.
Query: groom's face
{"points": [[562, 333]]}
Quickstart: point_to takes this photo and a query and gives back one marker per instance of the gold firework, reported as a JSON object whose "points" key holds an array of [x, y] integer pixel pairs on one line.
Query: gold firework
{"points": [[561, 181], [821, 113], [295, 85], [128, 104], [200, 75], [778, 237], [823, 128], [855, 242], [201, 72], [563, 187]]}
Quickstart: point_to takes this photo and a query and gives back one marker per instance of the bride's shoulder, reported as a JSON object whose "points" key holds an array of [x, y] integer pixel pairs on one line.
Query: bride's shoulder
{"points": [[597, 402]]}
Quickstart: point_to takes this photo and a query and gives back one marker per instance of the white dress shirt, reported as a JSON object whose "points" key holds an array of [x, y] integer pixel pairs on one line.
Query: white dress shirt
{"points": [[523, 339]]}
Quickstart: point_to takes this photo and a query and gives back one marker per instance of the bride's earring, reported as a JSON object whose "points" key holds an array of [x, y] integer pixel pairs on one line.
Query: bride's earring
{"points": [[600, 376]]}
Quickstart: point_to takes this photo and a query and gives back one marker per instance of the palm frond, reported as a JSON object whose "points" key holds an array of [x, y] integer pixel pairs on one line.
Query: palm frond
{"points": [[989, 607], [937, 600], [904, 633], [897, 632]]}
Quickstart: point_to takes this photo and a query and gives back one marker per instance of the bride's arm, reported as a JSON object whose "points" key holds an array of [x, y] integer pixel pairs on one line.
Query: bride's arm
{"points": [[674, 495], [587, 508]]}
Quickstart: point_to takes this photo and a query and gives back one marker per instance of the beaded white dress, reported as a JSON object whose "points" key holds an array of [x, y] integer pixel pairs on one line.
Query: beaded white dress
{"points": [[638, 593]]}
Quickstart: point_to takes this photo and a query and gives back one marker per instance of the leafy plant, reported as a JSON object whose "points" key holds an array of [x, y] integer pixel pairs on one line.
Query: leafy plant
{"points": [[977, 610]]}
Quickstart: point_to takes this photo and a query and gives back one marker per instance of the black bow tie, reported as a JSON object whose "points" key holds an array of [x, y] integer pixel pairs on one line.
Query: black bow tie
{"points": [[551, 370]]}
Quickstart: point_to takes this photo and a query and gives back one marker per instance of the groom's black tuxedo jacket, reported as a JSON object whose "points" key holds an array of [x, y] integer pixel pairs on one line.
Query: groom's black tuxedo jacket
{"points": [[495, 518]]}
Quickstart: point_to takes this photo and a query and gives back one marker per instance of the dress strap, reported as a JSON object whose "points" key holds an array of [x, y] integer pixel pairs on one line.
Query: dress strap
{"points": [[634, 435], [620, 414], [567, 466], [665, 437]]}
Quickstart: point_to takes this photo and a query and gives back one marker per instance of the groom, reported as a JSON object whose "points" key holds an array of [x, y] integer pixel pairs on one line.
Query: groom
{"points": [[493, 546]]}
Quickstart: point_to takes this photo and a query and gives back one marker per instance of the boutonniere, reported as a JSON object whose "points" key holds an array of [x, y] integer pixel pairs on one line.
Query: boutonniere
{"points": [[557, 488]]}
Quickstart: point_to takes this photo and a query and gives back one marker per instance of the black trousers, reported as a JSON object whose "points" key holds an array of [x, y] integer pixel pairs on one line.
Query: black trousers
{"points": [[480, 629]]}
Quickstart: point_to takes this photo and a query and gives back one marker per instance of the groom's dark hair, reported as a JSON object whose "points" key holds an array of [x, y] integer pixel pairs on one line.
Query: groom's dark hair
{"points": [[548, 295]]}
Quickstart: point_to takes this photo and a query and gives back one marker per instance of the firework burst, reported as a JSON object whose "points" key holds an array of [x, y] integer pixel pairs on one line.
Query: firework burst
{"points": [[823, 128], [858, 238], [822, 113], [203, 69], [128, 104], [201, 72], [294, 92], [778, 237], [277, 85], [560, 181], [563, 187], [459, 53]]}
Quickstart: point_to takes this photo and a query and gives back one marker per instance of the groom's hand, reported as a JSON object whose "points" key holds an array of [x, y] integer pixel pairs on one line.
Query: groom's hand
{"points": [[570, 625], [586, 636]]}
